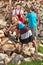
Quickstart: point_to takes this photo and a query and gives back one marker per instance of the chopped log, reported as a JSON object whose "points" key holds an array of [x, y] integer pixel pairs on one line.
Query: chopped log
{"points": [[4, 41], [40, 54], [1, 33], [9, 47], [27, 59]]}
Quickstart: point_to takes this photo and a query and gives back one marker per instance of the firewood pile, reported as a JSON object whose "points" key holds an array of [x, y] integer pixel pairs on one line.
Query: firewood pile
{"points": [[38, 5], [10, 50]]}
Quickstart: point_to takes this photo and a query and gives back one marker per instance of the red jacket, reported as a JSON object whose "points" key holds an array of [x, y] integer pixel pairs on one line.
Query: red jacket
{"points": [[20, 18]]}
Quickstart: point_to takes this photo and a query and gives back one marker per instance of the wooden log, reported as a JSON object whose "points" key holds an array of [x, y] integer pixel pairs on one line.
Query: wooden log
{"points": [[1, 33]]}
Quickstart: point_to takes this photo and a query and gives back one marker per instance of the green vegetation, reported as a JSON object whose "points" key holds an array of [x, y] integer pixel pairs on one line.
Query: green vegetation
{"points": [[35, 62], [11, 64], [40, 49]]}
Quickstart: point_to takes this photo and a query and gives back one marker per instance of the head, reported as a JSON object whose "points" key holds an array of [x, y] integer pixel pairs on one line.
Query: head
{"points": [[31, 8], [18, 6]]}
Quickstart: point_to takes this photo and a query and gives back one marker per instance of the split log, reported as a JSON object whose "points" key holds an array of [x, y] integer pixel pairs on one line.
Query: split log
{"points": [[1, 33]]}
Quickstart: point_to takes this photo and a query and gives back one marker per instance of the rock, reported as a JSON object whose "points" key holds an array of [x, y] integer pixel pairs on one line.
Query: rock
{"points": [[3, 56], [8, 60], [14, 55], [17, 58]]}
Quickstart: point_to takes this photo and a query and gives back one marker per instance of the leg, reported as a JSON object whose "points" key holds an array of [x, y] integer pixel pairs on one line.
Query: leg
{"points": [[35, 45], [30, 44], [34, 32]]}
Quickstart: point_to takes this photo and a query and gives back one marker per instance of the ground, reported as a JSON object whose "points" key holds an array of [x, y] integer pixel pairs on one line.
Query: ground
{"points": [[34, 62]]}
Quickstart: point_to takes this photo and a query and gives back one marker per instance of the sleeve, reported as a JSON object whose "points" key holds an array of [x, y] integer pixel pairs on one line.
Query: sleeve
{"points": [[20, 25]]}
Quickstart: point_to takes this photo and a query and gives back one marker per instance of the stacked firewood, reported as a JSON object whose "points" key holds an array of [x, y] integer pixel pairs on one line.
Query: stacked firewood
{"points": [[9, 49], [38, 5]]}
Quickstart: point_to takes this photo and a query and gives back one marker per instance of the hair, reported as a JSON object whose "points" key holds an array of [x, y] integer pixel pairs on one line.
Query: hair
{"points": [[32, 8]]}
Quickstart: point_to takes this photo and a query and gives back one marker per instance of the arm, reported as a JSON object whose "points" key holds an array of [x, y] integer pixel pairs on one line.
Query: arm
{"points": [[27, 15], [24, 18], [12, 27]]}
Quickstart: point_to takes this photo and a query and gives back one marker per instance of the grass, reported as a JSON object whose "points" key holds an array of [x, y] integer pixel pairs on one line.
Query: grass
{"points": [[34, 62], [11, 64], [40, 49]]}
